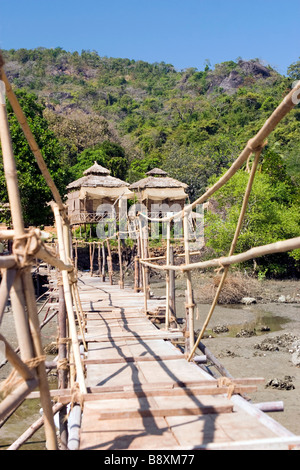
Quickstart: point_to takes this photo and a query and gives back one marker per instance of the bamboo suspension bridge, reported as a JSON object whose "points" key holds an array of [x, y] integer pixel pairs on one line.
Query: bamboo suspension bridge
{"points": [[123, 383]]}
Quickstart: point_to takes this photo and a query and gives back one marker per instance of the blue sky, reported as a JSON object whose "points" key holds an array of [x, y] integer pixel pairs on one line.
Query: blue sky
{"points": [[182, 32]]}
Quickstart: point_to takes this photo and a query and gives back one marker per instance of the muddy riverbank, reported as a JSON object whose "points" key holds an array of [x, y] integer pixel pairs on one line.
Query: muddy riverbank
{"points": [[256, 340]]}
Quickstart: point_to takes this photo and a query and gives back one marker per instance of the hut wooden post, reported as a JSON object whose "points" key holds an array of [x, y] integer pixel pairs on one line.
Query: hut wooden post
{"points": [[139, 256], [25, 279], [136, 274], [143, 268], [167, 318], [103, 261], [76, 255], [121, 282], [92, 253], [99, 258], [172, 305], [189, 290], [109, 262]]}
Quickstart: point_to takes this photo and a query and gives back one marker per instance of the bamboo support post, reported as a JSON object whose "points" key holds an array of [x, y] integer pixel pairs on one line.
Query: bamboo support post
{"points": [[172, 305], [136, 274], [143, 268], [167, 317], [92, 253], [121, 282], [109, 262], [103, 262], [99, 258], [189, 288], [69, 301]]}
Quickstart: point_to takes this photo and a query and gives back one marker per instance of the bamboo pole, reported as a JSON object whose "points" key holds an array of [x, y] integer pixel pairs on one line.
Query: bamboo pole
{"points": [[69, 300], [257, 252], [143, 267], [136, 274], [21, 315], [167, 317], [121, 283], [33, 429], [109, 262], [231, 251], [189, 288], [172, 285], [103, 261]]}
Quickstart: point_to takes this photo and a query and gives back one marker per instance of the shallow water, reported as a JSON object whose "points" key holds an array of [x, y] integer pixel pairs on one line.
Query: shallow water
{"points": [[29, 411]]}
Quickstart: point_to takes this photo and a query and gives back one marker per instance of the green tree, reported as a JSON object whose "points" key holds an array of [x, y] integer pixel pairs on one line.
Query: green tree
{"points": [[271, 216], [108, 154], [34, 191]]}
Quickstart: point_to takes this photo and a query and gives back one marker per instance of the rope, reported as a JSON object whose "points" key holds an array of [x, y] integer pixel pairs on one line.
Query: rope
{"points": [[14, 379], [25, 247], [226, 382]]}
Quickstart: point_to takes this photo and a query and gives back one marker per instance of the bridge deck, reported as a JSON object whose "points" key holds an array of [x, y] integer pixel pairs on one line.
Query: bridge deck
{"points": [[143, 394]]}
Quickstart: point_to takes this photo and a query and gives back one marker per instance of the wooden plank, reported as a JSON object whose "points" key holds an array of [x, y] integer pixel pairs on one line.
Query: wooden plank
{"points": [[272, 443], [162, 413], [161, 388], [143, 336], [118, 360]]}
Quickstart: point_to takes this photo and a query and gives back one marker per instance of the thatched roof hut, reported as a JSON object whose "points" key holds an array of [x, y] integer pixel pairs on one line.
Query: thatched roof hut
{"points": [[97, 187], [159, 188]]}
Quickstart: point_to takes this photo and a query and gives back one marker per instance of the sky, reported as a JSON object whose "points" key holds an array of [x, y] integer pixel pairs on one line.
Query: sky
{"points": [[184, 33]]}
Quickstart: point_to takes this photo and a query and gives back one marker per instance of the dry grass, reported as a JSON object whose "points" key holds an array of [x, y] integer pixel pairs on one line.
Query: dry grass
{"points": [[236, 286]]}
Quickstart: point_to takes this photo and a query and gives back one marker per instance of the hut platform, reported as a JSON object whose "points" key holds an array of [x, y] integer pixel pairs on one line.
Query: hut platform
{"points": [[144, 395]]}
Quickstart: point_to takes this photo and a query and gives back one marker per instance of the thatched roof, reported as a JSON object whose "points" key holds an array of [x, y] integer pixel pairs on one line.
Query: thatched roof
{"points": [[157, 171], [97, 176], [96, 170], [160, 181]]}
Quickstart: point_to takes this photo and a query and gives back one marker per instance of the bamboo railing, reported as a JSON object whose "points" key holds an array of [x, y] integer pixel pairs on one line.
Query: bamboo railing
{"points": [[28, 360]]}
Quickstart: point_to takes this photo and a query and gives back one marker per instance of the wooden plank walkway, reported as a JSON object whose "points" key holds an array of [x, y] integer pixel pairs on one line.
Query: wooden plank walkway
{"points": [[143, 394]]}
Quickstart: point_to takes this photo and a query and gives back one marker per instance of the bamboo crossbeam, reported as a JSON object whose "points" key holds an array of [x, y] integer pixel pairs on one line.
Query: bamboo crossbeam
{"points": [[46, 256], [33, 429], [15, 360], [277, 247], [16, 398]]}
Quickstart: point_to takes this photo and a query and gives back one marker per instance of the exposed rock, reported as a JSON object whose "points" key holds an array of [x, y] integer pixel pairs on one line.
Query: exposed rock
{"points": [[232, 82], [281, 384], [254, 68], [248, 300]]}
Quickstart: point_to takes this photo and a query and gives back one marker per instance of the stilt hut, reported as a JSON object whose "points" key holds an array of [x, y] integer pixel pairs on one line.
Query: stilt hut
{"points": [[95, 196], [160, 193]]}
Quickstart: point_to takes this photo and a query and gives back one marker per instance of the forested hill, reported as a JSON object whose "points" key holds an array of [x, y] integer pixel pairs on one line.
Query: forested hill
{"points": [[132, 116], [192, 123]]}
